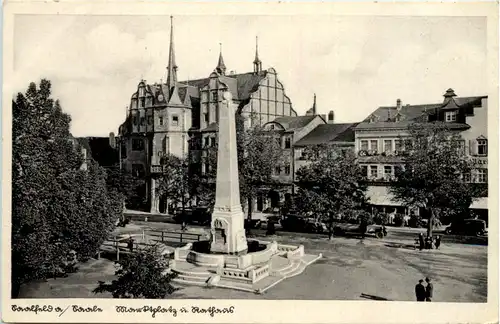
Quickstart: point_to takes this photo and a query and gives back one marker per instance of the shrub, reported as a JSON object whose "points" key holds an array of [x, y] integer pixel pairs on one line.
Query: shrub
{"points": [[142, 275]]}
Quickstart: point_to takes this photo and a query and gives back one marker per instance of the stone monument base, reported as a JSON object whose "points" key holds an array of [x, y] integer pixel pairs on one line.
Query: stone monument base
{"points": [[253, 272]]}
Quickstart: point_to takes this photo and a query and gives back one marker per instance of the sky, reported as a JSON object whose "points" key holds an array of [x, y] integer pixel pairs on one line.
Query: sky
{"points": [[353, 63]]}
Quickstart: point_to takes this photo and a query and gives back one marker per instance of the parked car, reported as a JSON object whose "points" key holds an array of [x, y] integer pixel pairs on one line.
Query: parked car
{"points": [[379, 231], [475, 227], [196, 215]]}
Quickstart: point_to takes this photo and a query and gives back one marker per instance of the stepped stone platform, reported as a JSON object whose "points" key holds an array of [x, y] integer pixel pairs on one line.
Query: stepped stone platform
{"points": [[279, 262]]}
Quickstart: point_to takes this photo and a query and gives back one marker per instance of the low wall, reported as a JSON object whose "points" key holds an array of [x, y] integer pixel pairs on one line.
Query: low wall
{"points": [[264, 255], [207, 260], [182, 252], [286, 248]]}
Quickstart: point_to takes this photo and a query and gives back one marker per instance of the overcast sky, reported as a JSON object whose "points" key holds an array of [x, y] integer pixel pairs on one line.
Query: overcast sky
{"points": [[354, 64]]}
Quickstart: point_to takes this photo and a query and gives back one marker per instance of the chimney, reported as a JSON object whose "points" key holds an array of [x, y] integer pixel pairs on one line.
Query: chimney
{"points": [[112, 140], [331, 117], [398, 104]]}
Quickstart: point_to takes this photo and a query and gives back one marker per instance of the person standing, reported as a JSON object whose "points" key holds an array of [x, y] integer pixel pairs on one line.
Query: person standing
{"points": [[421, 241], [420, 292], [429, 289]]}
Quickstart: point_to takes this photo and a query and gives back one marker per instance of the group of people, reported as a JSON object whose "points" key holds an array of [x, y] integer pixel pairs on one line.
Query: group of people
{"points": [[428, 242], [424, 293]]}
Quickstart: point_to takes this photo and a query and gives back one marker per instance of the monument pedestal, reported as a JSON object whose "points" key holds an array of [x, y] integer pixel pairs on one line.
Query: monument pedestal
{"points": [[228, 231]]}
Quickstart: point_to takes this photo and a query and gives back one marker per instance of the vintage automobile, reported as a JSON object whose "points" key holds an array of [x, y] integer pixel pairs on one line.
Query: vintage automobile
{"points": [[475, 227], [300, 223], [347, 229], [196, 215]]}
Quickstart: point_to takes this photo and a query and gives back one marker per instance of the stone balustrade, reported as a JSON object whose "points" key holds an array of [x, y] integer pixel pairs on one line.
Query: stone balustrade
{"points": [[259, 273], [238, 274], [205, 260], [295, 254], [286, 248]]}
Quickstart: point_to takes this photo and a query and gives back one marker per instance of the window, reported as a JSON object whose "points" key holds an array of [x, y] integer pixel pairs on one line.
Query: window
{"points": [[387, 171], [212, 141], [215, 96], [451, 116], [482, 147], [364, 145], [387, 146], [271, 126], [398, 145], [287, 169], [461, 146], [288, 143], [205, 116], [374, 171], [207, 141], [364, 170], [124, 150], [134, 121], [175, 120], [374, 145], [467, 177], [150, 120], [143, 121], [160, 120], [277, 170], [137, 170], [482, 175], [137, 144]]}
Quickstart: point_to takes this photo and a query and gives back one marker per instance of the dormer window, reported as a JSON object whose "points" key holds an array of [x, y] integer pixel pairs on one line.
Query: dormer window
{"points": [[175, 120], [451, 116], [482, 147]]}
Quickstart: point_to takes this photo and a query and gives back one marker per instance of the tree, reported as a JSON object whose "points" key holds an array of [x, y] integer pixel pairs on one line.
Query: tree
{"points": [[141, 275], [331, 184], [125, 184], [174, 182], [203, 185], [433, 174], [259, 152], [57, 206]]}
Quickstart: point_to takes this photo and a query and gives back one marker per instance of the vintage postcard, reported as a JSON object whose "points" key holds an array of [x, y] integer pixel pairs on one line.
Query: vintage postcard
{"points": [[250, 162]]}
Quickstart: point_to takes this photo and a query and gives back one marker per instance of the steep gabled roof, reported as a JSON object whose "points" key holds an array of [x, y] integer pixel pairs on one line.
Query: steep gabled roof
{"points": [[293, 122], [326, 133]]}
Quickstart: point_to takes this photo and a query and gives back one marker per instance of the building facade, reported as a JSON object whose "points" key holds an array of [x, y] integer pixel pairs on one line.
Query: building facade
{"points": [[379, 142], [180, 117]]}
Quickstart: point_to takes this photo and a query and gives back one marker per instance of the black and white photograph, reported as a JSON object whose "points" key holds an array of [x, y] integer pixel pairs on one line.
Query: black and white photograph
{"points": [[158, 156]]}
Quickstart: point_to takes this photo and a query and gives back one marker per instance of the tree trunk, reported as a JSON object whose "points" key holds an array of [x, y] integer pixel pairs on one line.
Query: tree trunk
{"points": [[249, 215], [330, 227], [431, 222]]}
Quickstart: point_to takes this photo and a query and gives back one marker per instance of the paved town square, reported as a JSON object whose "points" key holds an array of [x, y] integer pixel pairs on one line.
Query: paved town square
{"points": [[350, 269]]}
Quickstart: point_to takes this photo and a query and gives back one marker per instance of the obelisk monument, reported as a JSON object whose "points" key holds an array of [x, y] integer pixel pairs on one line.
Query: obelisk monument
{"points": [[227, 227]]}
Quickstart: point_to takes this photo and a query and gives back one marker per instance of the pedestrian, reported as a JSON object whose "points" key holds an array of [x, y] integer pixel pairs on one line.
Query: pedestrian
{"points": [[130, 244], [420, 292], [428, 289], [363, 226], [438, 242], [421, 241], [270, 228]]}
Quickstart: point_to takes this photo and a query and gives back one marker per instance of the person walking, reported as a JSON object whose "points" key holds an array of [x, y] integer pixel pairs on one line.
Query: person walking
{"points": [[438, 242], [429, 289], [421, 241], [420, 291]]}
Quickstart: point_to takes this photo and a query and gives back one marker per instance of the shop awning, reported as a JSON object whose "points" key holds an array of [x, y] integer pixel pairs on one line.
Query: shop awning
{"points": [[380, 196], [481, 203]]}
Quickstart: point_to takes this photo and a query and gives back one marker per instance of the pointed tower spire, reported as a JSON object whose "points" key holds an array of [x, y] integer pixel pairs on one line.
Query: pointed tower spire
{"points": [[257, 64], [314, 106], [221, 67], [172, 67]]}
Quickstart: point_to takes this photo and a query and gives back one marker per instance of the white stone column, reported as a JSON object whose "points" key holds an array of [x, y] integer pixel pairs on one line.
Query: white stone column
{"points": [[154, 197]]}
